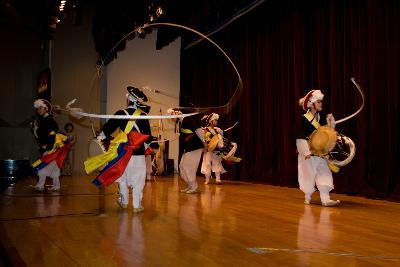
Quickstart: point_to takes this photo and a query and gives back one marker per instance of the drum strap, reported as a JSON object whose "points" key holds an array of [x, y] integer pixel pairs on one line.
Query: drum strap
{"points": [[211, 130], [311, 118], [131, 123]]}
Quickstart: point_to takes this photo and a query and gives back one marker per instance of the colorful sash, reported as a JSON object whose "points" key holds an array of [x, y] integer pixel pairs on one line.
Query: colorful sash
{"points": [[93, 163], [118, 155], [117, 166], [59, 152]]}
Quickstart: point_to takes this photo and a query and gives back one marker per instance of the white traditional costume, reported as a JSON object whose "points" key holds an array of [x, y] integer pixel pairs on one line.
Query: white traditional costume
{"points": [[212, 161], [134, 173], [313, 170], [191, 141]]}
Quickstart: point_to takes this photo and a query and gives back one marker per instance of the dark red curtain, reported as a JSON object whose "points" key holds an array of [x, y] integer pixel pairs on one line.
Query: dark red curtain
{"points": [[282, 50]]}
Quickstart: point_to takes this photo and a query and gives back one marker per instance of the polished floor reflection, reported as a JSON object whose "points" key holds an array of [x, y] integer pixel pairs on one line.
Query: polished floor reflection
{"points": [[234, 224]]}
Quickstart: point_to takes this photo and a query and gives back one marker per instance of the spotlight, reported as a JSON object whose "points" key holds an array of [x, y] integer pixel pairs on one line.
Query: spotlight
{"points": [[159, 11]]}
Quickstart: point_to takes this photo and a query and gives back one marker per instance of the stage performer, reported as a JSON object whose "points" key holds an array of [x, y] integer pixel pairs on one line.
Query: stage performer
{"points": [[191, 142], [53, 146], [124, 162], [313, 170], [212, 161]]}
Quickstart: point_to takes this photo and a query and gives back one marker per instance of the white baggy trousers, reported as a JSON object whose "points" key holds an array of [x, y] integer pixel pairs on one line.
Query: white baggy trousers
{"points": [[52, 171], [188, 167], [211, 163], [134, 176], [313, 172]]}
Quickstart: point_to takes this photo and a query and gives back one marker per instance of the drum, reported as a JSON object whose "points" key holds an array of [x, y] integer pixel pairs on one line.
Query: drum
{"points": [[224, 148], [228, 150], [322, 141], [96, 147], [338, 149], [343, 152]]}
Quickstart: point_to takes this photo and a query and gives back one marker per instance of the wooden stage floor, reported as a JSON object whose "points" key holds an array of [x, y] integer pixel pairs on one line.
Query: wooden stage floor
{"points": [[234, 224]]}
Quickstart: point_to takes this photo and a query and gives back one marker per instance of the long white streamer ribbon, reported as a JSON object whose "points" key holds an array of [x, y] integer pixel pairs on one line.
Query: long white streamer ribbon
{"points": [[224, 109], [362, 104], [230, 128], [79, 113]]}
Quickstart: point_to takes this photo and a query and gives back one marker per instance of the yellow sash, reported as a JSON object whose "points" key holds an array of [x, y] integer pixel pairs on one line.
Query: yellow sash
{"points": [[333, 167], [186, 131], [209, 134], [311, 118], [93, 163], [212, 131], [58, 143], [130, 123]]}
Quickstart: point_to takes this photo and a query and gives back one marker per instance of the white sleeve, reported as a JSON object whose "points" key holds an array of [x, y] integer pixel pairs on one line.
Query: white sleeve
{"points": [[302, 147], [35, 131], [219, 131], [220, 137], [200, 134]]}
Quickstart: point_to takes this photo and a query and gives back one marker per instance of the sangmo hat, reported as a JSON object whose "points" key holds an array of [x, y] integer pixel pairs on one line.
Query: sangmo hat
{"points": [[43, 103]]}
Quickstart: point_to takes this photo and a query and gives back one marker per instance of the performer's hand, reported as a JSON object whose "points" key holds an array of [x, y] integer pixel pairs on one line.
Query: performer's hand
{"points": [[330, 121], [100, 138]]}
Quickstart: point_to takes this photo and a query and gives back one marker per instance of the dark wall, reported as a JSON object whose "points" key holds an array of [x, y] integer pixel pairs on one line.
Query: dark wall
{"points": [[72, 59], [22, 58]]}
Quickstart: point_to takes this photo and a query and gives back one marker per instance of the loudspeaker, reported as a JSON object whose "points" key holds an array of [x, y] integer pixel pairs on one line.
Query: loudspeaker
{"points": [[12, 170]]}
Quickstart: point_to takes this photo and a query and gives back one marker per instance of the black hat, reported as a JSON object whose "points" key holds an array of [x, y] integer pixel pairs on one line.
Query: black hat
{"points": [[135, 94]]}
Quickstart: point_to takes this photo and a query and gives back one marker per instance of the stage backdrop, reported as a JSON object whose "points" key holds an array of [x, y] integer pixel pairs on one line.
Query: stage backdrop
{"points": [[282, 50]]}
